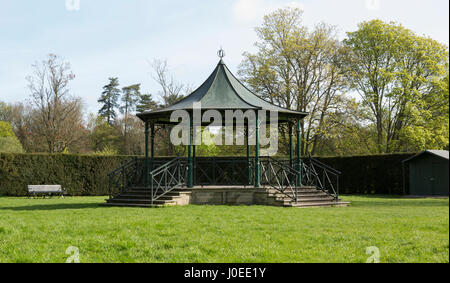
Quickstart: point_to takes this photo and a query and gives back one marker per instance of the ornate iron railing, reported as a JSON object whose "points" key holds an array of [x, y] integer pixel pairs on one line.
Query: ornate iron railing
{"points": [[168, 177], [127, 175], [222, 171], [321, 176], [279, 176]]}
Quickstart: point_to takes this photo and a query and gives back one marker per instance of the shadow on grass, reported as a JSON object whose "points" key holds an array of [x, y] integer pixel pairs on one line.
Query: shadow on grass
{"points": [[397, 201], [395, 197], [60, 206]]}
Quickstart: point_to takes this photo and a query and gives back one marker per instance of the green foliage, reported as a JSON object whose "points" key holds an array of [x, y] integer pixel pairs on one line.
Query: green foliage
{"points": [[104, 135], [207, 148], [6, 130], [5, 111], [107, 151], [129, 99], [405, 230], [429, 126], [401, 79], [109, 99], [10, 144], [8, 140], [344, 135], [300, 69], [130, 96], [145, 103]]}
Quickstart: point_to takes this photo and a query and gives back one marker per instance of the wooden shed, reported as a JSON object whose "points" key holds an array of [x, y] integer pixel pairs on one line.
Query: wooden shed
{"points": [[428, 173]]}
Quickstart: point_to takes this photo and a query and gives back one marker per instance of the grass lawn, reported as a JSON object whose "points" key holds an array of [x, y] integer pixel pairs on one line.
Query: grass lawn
{"points": [[404, 230]]}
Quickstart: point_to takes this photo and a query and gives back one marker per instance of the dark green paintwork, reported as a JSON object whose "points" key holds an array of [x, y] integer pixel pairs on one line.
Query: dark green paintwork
{"points": [[222, 90], [249, 164], [190, 178], [299, 153], [152, 141], [291, 146], [257, 160], [428, 175], [146, 181]]}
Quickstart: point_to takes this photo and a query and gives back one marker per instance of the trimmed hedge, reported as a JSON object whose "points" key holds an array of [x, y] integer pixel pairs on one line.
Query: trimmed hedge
{"points": [[370, 174], [87, 174], [79, 174]]}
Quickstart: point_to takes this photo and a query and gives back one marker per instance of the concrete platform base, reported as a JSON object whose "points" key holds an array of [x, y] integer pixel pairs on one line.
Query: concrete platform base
{"points": [[227, 195]]}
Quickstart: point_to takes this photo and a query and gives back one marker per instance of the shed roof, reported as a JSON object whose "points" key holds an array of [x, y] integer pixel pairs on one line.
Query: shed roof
{"points": [[439, 153], [222, 91]]}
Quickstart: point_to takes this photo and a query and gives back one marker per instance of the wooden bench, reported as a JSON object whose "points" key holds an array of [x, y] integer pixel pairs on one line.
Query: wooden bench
{"points": [[45, 190]]}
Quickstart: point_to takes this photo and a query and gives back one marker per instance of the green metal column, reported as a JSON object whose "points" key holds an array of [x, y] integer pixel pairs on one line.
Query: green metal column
{"points": [[190, 182], [257, 165], [152, 145], [194, 161], [291, 146], [146, 165], [249, 164], [299, 153]]}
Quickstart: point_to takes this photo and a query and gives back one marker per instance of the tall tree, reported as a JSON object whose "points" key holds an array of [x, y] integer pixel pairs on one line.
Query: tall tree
{"points": [[57, 115], [134, 137], [21, 120], [396, 74], [428, 123], [19, 116], [145, 103], [109, 99], [171, 92], [130, 95], [297, 69], [104, 137], [5, 111]]}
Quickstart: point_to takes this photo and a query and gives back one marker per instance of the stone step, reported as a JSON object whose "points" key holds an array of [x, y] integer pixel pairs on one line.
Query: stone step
{"points": [[308, 199], [131, 204], [280, 201], [321, 199], [306, 191], [320, 204], [137, 193], [169, 197], [140, 201], [148, 189], [299, 188], [133, 196], [301, 196], [314, 196], [147, 197]]}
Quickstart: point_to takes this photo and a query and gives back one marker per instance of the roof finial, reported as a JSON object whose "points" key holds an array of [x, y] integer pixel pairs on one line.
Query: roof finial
{"points": [[221, 53]]}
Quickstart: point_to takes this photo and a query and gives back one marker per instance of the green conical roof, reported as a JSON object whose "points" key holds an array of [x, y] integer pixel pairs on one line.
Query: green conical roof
{"points": [[221, 91]]}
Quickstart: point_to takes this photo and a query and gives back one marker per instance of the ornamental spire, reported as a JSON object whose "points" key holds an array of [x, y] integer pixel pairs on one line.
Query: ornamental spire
{"points": [[221, 53]]}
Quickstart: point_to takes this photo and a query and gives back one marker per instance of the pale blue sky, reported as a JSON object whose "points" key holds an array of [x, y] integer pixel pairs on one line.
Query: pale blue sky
{"points": [[119, 37]]}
